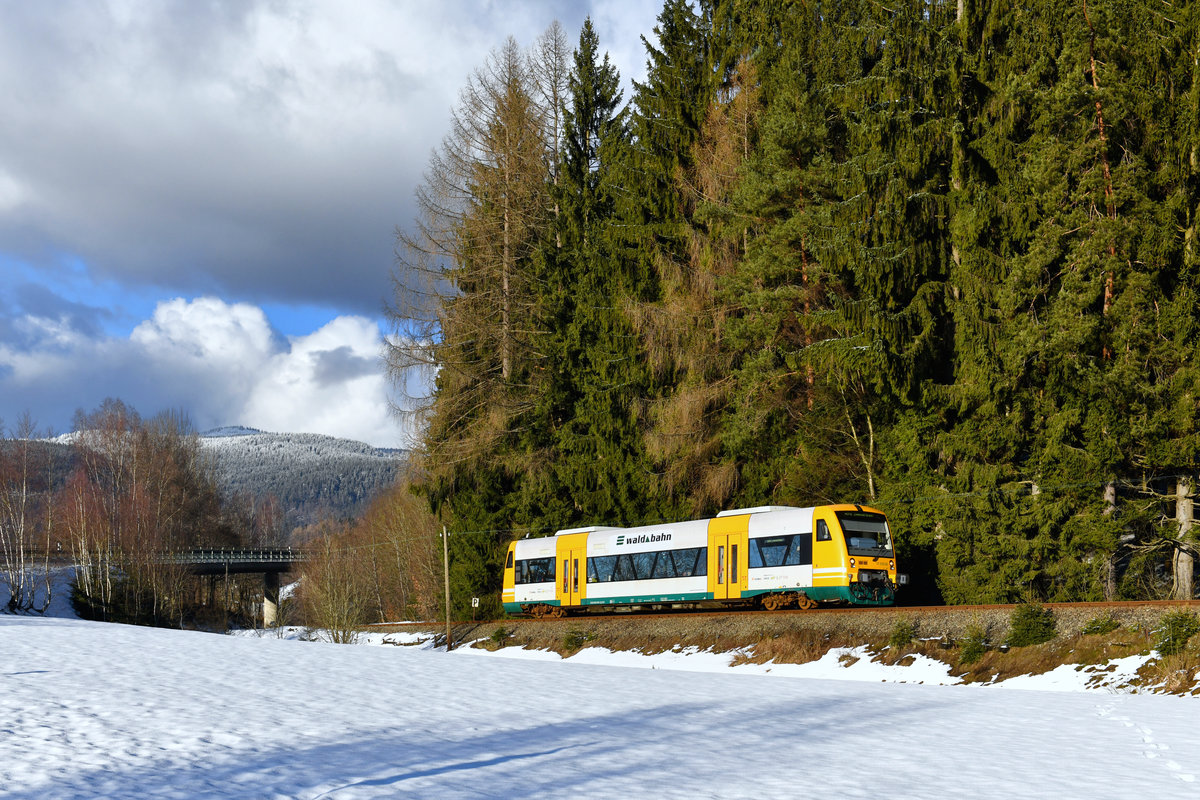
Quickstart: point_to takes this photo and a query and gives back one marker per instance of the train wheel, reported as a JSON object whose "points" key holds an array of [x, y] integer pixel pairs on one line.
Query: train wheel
{"points": [[773, 602]]}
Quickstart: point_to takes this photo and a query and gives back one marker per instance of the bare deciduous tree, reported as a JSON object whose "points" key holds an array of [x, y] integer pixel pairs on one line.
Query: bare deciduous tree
{"points": [[402, 534], [26, 518], [143, 490], [334, 588]]}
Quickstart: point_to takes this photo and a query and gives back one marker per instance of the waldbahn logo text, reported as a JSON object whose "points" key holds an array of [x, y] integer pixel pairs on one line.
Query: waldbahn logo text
{"points": [[643, 538]]}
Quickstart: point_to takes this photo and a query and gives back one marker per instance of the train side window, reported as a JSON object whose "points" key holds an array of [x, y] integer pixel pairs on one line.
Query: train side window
{"points": [[823, 531], [508, 564], [534, 570], [770, 551], [624, 569], [721, 564], [565, 576], [643, 565], [602, 567], [664, 567], [733, 563], [691, 562], [800, 552], [685, 562]]}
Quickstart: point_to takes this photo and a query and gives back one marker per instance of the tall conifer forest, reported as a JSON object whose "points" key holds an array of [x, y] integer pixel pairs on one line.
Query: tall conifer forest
{"points": [[935, 256]]}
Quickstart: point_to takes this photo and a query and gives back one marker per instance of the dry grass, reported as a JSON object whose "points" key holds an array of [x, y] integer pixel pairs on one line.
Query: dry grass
{"points": [[1178, 673], [1082, 649], [798, 639], [791, 647], [906, 654]]}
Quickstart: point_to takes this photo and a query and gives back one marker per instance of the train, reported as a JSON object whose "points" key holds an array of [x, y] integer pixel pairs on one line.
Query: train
{"points": [[771, 557]]}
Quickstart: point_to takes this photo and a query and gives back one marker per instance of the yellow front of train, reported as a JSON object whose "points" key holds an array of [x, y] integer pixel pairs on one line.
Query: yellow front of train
{"points": [[854, 558]]}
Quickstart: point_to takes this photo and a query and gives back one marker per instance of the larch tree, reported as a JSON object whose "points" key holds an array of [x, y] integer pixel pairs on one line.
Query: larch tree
{"points": [[466, 289]]}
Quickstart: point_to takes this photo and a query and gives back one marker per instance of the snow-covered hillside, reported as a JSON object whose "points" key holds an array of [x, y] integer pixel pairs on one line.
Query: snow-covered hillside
{"points": [[310, 474], [98, 710]]}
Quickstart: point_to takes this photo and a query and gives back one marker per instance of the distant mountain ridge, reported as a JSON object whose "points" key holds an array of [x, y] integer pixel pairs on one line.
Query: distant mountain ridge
{"points": [[311, 475], [230, 430]]}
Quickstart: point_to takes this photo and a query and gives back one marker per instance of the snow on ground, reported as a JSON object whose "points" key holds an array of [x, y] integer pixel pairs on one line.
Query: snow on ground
{"points": [[93, 710]]}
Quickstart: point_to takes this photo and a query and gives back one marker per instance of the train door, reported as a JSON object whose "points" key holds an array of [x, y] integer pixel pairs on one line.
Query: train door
{"points": [[829, 548], [571, 569], [727, 556], [508, 590]]}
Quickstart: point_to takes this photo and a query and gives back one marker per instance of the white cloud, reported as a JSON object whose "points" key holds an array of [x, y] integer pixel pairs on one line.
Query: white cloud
{"points": [[220, 363], [175, 143], [207, 330], [330, 381], [255, 150]]}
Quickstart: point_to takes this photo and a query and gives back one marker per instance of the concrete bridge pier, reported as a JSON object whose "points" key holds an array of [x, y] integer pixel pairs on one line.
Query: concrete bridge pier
{"points": [[270, 599]]}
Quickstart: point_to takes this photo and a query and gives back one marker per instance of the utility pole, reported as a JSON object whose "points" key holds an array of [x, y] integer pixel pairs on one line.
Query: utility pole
{"points": [[446, 572]]}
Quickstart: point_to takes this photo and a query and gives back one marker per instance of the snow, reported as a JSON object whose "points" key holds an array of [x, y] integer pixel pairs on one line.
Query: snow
{"points": [[249, 444], [227, 431], [99, 710]]}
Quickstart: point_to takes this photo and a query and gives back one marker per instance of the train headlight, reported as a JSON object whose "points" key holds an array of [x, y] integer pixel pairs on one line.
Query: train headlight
{"points": [[892, 566], [852, 563]]}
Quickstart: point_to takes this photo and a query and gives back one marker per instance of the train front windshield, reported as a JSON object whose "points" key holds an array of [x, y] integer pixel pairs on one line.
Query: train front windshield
{"points": [[866, 533]]}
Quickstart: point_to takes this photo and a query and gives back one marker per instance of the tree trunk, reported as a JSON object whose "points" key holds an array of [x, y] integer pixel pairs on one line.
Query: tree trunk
{"points": [[1184, 562], [1110, 561]]}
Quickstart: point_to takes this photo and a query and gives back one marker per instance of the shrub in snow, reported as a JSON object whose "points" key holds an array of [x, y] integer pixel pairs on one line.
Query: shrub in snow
{"points": [[1031, 623], [1105, 623], [1174, 630], [974, 644], [576, 638], [903, 632]]}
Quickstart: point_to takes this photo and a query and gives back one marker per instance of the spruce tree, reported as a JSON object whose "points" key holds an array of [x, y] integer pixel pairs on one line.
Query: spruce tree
{"points": [[783, 424], [598, 370]]}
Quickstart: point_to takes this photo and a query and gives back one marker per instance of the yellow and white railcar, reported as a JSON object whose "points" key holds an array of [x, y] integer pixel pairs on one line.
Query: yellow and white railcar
{"points": [[774, 556]]}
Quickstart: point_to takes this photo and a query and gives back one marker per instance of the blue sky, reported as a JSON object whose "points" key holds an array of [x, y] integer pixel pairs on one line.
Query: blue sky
{"points": [[198, 201]]}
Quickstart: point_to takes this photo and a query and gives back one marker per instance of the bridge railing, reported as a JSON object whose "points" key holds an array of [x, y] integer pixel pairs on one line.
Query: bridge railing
{"points": [[208, 554], [234, 555]]}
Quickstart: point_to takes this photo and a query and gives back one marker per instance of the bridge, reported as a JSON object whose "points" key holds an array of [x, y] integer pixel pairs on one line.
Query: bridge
{"points": [[269, 562], [231, 560]]}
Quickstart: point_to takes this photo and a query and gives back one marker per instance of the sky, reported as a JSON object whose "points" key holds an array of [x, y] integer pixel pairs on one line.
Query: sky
{"points": [[199, 200], [94, 709]]}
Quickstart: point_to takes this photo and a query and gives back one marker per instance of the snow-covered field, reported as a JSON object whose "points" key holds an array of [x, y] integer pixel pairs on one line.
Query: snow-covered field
{"points": [[94, 710]]}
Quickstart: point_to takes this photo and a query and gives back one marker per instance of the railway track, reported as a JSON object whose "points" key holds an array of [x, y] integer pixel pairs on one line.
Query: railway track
{"points": [[1096, 607]]}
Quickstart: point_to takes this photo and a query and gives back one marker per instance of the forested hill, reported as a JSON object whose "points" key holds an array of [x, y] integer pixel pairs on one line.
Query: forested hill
{"points": [[939, 256], [310, 475]]}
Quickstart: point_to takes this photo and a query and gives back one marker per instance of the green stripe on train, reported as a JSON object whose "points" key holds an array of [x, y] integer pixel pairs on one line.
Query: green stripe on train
{"points": [[684, 597], [825, 594], [515, 608]]}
